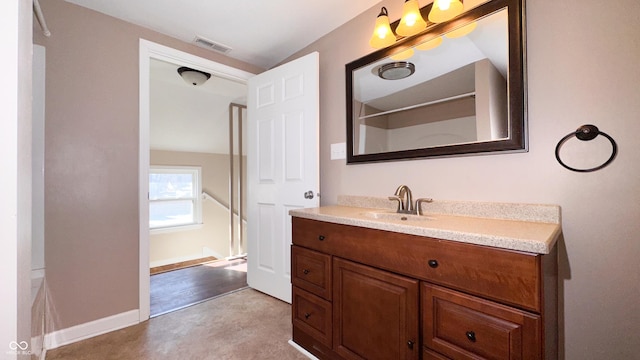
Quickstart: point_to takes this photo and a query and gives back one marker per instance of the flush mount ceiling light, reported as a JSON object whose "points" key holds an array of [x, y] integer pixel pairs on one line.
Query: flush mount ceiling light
{"points": [[192, 76], [411, 22], [444, 10], [396, 70]]}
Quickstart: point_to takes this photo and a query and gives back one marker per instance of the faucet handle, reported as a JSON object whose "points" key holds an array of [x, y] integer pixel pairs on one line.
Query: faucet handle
{"points": [[400, 203], [420, 201]]}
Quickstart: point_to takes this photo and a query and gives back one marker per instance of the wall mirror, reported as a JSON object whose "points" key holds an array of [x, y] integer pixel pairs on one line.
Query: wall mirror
{"points": [[456, 95]]}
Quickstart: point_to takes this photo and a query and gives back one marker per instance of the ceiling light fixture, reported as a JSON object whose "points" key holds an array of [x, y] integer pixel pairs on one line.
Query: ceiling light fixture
{"points": [[396, 70], [445, 10], [411, 22], [382, 34], [192, 76]]}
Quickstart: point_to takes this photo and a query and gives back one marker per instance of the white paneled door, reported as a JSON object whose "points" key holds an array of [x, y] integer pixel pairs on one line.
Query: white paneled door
{"points": [[282, 167]]}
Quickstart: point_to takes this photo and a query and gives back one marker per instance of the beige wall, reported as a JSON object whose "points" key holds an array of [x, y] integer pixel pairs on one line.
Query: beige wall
{"points": [[91, 166], [214, 234], [582, 68]]}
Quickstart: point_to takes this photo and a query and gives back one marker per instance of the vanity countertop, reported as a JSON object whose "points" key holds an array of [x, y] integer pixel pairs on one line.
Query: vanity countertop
{"points": [[525, 227]]}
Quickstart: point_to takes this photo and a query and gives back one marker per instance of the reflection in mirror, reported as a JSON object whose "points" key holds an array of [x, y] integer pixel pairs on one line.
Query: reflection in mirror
{"points": [[447, 97]]}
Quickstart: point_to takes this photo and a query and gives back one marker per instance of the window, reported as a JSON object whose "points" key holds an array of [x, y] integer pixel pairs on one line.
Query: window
{"points": [[174, 196]]}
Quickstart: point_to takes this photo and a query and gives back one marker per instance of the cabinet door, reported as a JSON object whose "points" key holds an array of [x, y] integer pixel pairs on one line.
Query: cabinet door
{"points": [[375, 313]]}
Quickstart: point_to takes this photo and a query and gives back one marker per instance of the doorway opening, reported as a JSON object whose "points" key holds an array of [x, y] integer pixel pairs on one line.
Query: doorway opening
{"points": [[196, 188], [191, 179]]}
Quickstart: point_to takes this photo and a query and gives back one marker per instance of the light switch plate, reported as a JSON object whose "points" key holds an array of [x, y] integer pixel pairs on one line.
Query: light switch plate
{"points": [[338, 151]]}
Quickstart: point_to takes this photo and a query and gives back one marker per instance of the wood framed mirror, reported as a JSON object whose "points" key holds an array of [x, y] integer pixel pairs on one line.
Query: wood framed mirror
{"points": [[456, 95]]}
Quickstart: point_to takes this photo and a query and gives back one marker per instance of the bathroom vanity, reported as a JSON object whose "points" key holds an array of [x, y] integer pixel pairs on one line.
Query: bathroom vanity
{"points": [[471, 281]]}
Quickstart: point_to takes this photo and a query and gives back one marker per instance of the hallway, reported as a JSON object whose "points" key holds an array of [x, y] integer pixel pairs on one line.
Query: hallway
{"points": [[177, 289]]}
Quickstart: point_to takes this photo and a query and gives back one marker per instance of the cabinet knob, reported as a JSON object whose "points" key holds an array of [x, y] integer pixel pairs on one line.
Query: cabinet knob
{"points": [[471, 336], [410, 344], [305, 271], [306, 315], [321, 237], [433, 263]]}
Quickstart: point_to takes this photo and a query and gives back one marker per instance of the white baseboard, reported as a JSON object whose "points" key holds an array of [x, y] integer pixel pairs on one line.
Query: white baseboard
{"points": [[94, 328], [302, 350]]}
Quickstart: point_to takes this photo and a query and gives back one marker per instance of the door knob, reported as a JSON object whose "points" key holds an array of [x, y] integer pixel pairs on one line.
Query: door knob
{"points": [[308, 195]]}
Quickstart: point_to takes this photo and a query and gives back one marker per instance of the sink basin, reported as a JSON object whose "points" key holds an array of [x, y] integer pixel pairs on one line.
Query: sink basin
{"points": [[393, 216]]}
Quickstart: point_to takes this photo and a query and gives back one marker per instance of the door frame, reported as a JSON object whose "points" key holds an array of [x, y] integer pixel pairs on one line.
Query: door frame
{"points": [[149, 50]]}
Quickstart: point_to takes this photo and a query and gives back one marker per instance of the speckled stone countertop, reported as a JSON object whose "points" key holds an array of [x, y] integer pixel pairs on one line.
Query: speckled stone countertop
{"points": [[525, 227]]}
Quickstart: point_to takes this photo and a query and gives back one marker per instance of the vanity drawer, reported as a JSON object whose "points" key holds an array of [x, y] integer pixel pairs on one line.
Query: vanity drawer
{"points": [[312, 315], [461, 326], [507, 276], [311, 271]]}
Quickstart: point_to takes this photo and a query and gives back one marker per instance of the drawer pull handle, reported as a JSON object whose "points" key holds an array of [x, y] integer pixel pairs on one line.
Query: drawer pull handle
{"points": [[433, 263], [307, 315], [471, 336], [305, 271], [321, 237], [410, 344]]}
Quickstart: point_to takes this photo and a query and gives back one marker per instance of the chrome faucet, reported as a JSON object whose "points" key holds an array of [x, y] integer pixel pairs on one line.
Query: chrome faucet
{"points": [[405, 201]]}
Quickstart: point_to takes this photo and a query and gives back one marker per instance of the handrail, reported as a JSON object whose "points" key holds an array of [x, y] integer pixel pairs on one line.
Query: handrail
{"points": [[206, 196], [40, 17]]}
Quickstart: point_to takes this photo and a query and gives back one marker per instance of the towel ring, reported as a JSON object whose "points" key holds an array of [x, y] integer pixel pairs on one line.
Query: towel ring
{"points": [[586, 133]]}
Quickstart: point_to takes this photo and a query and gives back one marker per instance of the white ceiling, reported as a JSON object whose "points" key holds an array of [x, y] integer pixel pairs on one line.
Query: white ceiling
{"points": [[262, 33], [190, 118]]}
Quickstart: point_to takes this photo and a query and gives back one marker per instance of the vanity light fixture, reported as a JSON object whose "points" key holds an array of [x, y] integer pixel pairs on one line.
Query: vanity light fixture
{"points": [[444, 10], [411, 22], [382, 34], [396, 70], [192, 76]]}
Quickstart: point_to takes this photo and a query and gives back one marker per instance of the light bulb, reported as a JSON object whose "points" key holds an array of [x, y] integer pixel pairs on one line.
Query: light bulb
{"points": [[444, 10], [444, 5]]}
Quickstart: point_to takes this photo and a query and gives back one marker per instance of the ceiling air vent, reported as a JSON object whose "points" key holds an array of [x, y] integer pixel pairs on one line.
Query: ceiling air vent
{"points": [[211, 45]]}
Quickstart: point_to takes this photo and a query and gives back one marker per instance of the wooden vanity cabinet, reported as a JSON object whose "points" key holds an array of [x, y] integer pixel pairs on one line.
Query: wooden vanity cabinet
{"points": [[361, 293]]}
